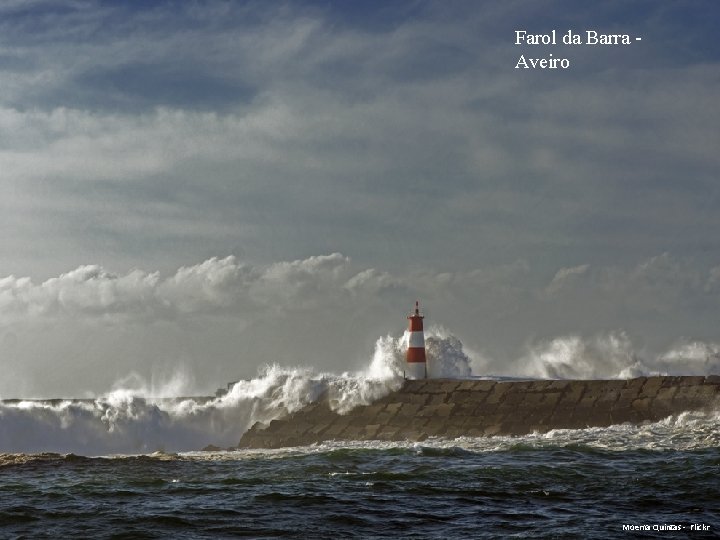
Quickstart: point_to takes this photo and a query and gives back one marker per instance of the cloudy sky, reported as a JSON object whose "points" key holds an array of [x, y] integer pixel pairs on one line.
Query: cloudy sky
{"points": [[210, 186]]}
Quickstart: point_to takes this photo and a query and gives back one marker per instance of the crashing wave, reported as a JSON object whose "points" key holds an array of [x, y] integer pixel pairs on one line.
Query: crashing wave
{"points": [[124, 421]]}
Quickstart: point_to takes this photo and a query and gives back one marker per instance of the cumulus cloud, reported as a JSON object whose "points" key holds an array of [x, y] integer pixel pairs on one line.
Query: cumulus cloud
{"points": [[86, 290], [213, 286]]}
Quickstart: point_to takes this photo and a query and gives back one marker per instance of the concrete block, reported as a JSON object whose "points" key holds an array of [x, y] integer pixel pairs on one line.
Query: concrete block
{"points": [[670, 381], [437, 399], [414, 386], [359, 421], [444, 410], [520, 386], [450, 386], [272, 427], [473, 421], [334, 430], [539, 386], [512, 399], [484, 386], [465, 409], [420, 399], [623, 402], [497, 418], [660, 408], [532, 399], [561, 418], [651, 387], [486, 408], [630, 392], [393, 407], [502, 387], [455, 421], [384, 417], [317, 429], [368, 411], [573, 393], [684, 393], [636, 384], [463, 396], [417, 422], [352, 433], [427, 411], [620, 415], [642, 404], [466, 421], [558, 386], [551, 399], [692, 381], [466, 386], [371, 430], [606, 399], [387, 434], [586, 402], [666, 393], [453, 432], [497, 394], [409, 409], [708, 390], [435, 427], [436, 387]]}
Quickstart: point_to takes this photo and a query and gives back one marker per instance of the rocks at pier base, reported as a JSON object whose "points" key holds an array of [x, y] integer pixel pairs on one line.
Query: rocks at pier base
{"points": [[453, 408]]}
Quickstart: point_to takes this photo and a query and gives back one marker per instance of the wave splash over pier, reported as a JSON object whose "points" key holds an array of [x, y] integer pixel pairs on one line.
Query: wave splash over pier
{"points": [[130, 421]]}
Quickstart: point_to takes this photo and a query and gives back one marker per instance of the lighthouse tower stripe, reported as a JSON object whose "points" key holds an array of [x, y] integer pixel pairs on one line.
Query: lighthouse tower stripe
{"points": [[416, 355], [417, 339], [416, 323]]}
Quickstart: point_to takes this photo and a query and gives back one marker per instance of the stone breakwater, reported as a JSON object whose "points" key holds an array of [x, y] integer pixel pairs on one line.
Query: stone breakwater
{"points": [[454, 408]]}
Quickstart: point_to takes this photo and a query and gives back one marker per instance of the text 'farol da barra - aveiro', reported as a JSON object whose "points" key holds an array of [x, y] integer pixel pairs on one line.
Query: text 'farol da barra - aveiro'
{"points": [[570, 37]]}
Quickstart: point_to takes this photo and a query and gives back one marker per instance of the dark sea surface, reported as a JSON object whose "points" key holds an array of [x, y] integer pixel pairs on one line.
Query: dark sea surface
{"points": [[565, 484]]}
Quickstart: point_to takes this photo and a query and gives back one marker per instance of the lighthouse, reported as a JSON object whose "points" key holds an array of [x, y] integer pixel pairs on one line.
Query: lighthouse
{"points": [[416, 363]]}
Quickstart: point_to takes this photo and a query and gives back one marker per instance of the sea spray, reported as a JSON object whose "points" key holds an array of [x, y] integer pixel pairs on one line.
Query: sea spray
{"points": [[133, 419], [572, 357], [444, 352], [609, 356]]}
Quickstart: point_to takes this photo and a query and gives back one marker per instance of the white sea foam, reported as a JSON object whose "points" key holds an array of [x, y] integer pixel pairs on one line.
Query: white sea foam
{"points": [[127, 421], [694, 430], [608, 356]]}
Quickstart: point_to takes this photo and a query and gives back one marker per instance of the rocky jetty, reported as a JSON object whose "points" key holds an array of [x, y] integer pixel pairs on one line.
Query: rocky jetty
{"points": [[454, 408]]}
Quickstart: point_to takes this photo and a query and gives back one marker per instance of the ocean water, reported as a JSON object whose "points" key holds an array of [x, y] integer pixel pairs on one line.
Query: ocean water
{"points": [[565, 484]]}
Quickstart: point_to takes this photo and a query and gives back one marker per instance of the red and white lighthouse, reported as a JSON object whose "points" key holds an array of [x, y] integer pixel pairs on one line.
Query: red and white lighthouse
{"points": [[416, 363]]}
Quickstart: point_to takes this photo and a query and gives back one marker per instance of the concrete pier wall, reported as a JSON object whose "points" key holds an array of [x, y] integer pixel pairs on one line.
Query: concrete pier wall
{"points": [[454, 408]]}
